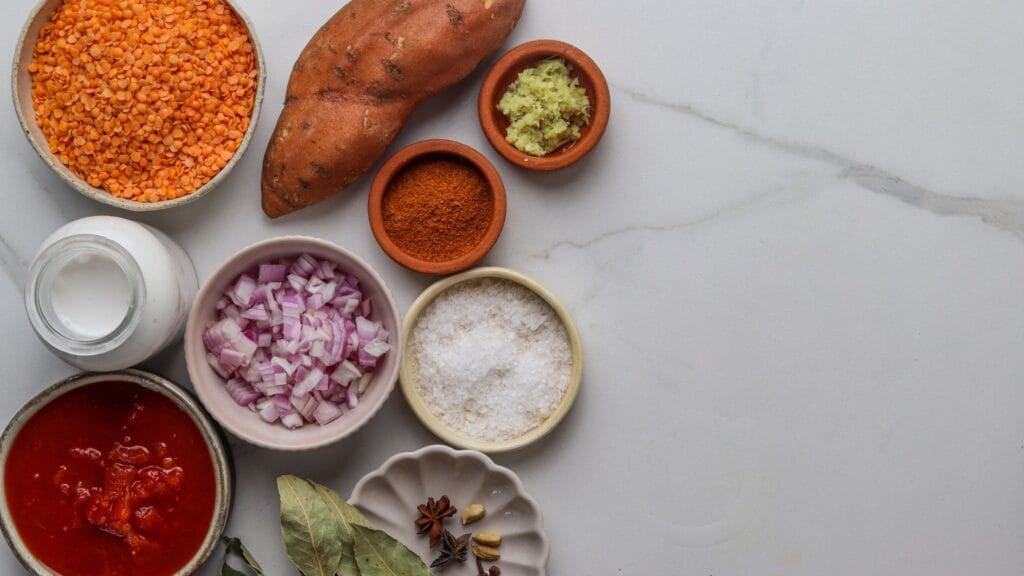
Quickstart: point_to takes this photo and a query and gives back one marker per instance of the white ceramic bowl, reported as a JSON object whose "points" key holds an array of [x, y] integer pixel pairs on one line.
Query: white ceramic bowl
{"points": [[21, 82], [389, 495], [218, 453], [409, 370], [245, 423]]}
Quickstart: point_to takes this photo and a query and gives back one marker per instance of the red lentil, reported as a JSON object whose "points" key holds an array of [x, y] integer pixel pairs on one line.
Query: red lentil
{"points": [[147, 99]]}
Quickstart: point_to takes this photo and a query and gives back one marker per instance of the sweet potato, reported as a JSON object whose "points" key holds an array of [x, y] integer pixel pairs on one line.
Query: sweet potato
{"points": [[358, 80]]}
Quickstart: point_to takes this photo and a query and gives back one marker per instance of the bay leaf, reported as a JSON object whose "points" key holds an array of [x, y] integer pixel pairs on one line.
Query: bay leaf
{"points": [[345, 515], [234, 547], [308, 528], [378, 554], [227, 570]]}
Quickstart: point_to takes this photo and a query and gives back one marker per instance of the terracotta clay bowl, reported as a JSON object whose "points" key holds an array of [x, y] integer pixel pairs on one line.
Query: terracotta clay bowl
{"points": [[21, 82], [505, 71], [440, 148]]}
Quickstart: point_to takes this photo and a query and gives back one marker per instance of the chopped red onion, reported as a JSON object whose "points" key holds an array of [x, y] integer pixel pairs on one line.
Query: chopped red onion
{"points": [[282, 402], [272, 273], [376, 348], [242, 393], [346, 373], [220, 370], [296, 282], [326, 413], [295, 344], [329, 290], [292, 420], [326, 270], [315, 285], [269, 412], [243, 290], [257, 313], [364, 382], [315, 301], [301, 389], [305, 265]]}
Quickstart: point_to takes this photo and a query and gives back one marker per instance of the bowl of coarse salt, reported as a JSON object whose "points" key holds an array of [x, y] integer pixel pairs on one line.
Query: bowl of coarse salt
{"points": [[492, 360]]}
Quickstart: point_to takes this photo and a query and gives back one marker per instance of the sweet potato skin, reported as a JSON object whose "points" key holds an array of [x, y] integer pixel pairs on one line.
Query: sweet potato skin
{"points": [[360, 78]]}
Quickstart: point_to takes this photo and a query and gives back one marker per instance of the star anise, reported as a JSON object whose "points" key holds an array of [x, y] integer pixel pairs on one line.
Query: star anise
{"points": [[432, 516], [452, 549]]}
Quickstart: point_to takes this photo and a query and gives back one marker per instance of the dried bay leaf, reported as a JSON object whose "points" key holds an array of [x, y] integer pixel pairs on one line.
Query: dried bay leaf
{"points": [[378, 554], [345, 515], [226, 570], [308, 528], [234, 546]]}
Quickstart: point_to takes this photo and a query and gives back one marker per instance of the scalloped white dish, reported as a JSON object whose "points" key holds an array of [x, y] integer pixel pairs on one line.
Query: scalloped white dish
{"points": [[388, 497]]}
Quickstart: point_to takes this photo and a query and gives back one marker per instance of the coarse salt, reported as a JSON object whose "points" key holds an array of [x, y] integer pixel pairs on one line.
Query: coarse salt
{"points": [[491, 359]]}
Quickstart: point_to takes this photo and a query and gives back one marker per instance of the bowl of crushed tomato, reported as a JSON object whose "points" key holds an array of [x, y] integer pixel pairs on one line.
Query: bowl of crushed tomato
{"points": [[113, 474]]}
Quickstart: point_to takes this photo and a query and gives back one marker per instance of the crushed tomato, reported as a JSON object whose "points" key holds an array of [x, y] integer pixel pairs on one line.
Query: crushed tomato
{"points": [[111, 479]]}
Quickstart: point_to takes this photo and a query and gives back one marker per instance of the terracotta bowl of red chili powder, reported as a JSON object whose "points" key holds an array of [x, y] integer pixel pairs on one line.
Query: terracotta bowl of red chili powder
{"points": [[437, 207], [113, 474]]}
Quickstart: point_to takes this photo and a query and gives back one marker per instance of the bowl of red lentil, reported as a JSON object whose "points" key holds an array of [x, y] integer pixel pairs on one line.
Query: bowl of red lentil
{"points": [[437, 207], [140, 105]]}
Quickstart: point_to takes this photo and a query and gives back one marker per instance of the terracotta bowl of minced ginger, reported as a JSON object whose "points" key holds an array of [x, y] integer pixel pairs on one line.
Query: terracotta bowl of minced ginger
{"points": [[142, 115], [505, 71]]}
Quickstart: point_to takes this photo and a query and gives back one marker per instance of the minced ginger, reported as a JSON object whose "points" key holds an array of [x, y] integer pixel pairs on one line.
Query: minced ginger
{"points": [[147, 99], [546, 108]]}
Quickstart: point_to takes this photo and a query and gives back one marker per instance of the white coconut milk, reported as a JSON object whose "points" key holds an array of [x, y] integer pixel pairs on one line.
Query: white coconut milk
{"points": [[106, 293]]}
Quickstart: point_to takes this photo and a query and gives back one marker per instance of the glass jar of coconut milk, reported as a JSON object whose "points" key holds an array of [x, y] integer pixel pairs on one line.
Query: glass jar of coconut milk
{"points": [[105, 293]]}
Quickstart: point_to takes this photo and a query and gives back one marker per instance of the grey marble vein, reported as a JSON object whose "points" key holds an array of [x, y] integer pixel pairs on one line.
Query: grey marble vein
{"points": [[633, 228], [15, 269], [1006, 214], [795, 148]]}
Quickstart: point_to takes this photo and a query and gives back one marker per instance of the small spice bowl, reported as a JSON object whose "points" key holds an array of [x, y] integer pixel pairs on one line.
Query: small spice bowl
{"points": [[240, 420], [507, 69], [223, 475], [424, 150], [459, 438], [21, 82], [466, 477]]}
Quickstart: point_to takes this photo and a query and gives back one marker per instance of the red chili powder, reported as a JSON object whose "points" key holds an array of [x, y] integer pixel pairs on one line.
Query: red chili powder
{"points": [[438, 208]]}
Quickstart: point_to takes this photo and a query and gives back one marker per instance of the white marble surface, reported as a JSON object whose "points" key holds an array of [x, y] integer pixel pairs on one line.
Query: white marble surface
{"points": [[795, 261]]}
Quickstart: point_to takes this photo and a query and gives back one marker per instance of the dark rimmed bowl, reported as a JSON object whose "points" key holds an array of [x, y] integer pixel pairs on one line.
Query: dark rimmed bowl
{"points": [[222, 468], [394, 165], [507, 69], [21, 85]]}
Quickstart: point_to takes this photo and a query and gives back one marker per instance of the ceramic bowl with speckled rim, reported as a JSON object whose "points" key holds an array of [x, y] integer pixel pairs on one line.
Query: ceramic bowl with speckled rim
{"points": [[21, 83], [389, 495], [410, 387], [222, 467]]}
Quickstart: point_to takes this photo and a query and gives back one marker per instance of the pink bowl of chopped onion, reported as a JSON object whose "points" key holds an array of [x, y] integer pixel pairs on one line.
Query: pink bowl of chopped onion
{"points": [[293, 343]]}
